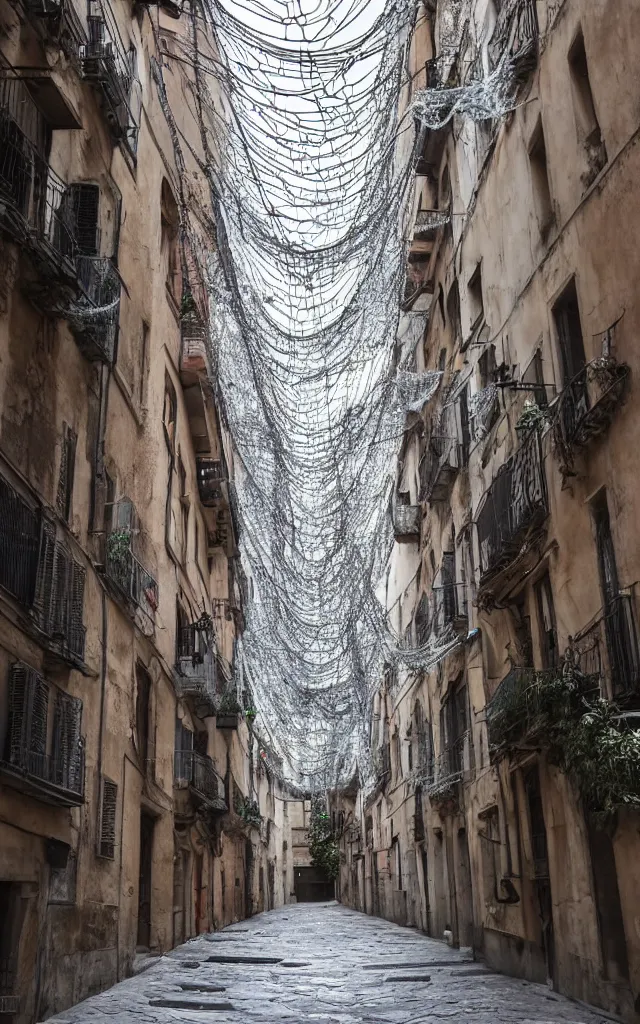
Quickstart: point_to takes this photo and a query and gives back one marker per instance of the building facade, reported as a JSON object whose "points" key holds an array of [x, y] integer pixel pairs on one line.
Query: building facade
{"points": [[139, 804], [504, 812]]}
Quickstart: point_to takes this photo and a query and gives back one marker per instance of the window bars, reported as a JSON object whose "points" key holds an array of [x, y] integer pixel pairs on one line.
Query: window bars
{"points": [[515, 504], [44, 749], [106, 63]]}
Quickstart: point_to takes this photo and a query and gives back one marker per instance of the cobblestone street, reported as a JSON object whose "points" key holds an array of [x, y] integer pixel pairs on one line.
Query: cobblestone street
{"points": [[325, 964]]}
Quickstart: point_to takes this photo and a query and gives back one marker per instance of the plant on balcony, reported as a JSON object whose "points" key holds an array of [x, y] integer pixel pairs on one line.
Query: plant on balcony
{"points": [[118, 546], [532, 415], [229, 703], [585, 735], [249, 811], [323, 843]]}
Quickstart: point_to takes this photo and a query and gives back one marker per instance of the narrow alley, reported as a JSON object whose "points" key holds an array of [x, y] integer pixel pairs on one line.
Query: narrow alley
{"points": [[327, 964]]}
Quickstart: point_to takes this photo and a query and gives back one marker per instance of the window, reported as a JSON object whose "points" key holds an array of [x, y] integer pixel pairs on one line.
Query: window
{"points": [[78, 219], [448, 584], [107, 829], [445, 189], [170, 224], [540, 179], [463, 418], [43, 738], [144, 355], [587, 127], [67, 470], [566, 314], [454, 725], [490, 847], [184, 509], [19, 544], [169, 412], [59, 598], [143, 698], [453, 310], [476, 302], [547, 623]]}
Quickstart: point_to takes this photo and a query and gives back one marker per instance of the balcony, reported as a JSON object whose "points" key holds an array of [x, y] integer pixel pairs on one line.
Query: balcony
{"points": [[127, 574], [61, 21], [515, 35], [211, 481], [609, 651], [447, 773], [95, 317], [197, 772], [44, 752], [194, 334], [514, 509], [406, 522], [195, 670], [105, 63], [586, 407], [438, 468], [444, 611]]}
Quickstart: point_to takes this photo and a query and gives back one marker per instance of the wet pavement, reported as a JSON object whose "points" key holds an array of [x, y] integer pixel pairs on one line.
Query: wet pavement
{"points": [[322, 964]]}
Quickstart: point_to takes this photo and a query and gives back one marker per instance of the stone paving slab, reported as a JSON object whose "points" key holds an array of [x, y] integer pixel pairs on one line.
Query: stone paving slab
{"points": [[318, 964]]}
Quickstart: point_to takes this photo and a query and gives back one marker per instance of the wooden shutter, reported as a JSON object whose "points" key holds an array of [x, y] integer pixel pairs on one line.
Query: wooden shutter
{"points": [[44, 596], [28, 717], [85, 201], [76, 610], [19, 543], [107, 831], [67, 748], [61, 588], [67, 472]]}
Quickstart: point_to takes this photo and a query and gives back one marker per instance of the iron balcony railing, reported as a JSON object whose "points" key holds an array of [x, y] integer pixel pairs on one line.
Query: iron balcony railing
{"points": [[195, 669], [447, 771], [199, 773], [428, 222], [586, 407], [515, 504], [610, 649], [447, 609], [211, 478], [406, 521], [131, 578], [439, 467], [32, 207], [105, 62], [95, 317]]}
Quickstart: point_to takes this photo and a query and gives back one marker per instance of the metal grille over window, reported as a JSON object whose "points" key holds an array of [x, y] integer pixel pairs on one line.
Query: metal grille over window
{"points": [[19, 544], [44, 760], [107, 836], [67, 472]]}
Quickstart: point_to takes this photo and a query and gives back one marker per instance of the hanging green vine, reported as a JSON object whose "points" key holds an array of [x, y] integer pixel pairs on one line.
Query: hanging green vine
{"points": [[586, 736], [323, 843]]}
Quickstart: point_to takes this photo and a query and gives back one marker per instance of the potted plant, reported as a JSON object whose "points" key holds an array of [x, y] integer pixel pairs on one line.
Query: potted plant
{"points": [[228, 711]]}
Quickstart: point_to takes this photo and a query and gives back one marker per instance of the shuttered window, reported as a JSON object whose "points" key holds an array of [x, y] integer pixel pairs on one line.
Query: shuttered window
{"points": [[59, 601], [67, 472], [67, 722], [83, 204], [19, 543], [107, 830]]}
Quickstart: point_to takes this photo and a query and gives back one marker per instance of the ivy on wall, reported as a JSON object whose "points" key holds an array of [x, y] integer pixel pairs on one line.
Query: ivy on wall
{"points": [[323, 843]]}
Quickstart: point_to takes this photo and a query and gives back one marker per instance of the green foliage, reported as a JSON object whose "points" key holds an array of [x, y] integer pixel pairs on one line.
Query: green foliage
{"points": [[229, 703], [118, 545], [249, 811], [532, 415], [585, 735], [323, 844]]}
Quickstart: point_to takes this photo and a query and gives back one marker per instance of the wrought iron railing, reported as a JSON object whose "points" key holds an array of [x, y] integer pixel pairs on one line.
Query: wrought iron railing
{"points": [[515, 504], [447, 771], [406, 520], [586, 407], [428, 222], [131, 578], [610, 649], [94, 319], [198, 771], [211, 477], [105, 63], [438, 468], [195, 668]]}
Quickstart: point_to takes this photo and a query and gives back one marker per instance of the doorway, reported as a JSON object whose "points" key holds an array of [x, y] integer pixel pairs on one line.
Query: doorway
{"points": [[541, 879], [144, 887]]}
